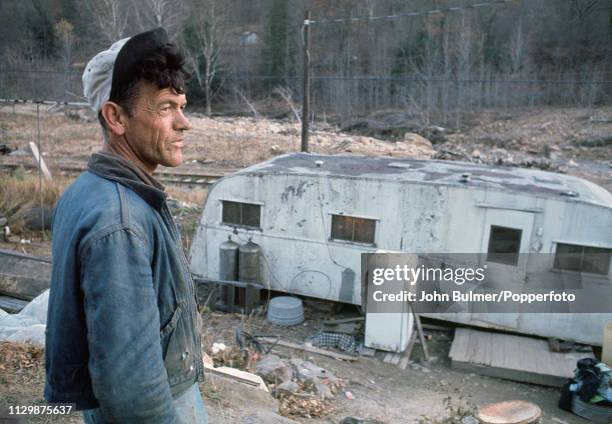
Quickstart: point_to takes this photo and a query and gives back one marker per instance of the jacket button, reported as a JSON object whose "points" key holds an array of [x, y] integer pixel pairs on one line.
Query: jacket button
{"points": [[191, 368]]}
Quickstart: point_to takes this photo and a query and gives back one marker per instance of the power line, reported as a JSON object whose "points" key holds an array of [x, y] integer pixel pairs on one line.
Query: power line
{"points": [[457, 80], [382, 78], [44, 102], [413, 79], [39, 71], [407, 14]]}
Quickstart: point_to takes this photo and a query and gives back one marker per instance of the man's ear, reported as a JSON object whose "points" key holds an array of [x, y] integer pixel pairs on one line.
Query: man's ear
{"points": [[115, 117]]}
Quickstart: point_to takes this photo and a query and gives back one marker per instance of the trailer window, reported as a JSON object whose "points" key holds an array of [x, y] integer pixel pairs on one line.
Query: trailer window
{"points": [[504, 245], [572, 257], [351, 228], [243, 214]]}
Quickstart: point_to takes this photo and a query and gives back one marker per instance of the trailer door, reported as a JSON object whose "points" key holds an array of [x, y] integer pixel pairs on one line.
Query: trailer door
{"points": [[506, 239]]}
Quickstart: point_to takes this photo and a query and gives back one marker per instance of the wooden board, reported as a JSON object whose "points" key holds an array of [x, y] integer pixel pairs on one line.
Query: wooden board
{"points": [[20, 287], [234, 374], [344, 328], [12, 305], [392, 358], [408, 352], [308, 348], [512, 357], [606, 353], [23, 276]]}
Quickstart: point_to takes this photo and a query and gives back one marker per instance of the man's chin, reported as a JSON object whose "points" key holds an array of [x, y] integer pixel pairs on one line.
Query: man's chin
{"points": [[174, 161]]}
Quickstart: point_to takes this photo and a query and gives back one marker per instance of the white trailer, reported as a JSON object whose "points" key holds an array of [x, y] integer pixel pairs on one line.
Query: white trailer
{"points": [[312, 215]]}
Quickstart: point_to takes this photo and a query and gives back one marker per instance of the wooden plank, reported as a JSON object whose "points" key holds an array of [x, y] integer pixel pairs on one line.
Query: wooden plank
{"points": [[40, 162], [12, 305], [392, 358], [435, 327], [417, 321], [606, 352], [23, 276], [238, 375], [234, 374], [512, 357], [307, 348], [343, 320], [344, 328], [20, 287], [241, 284], [20, 255], [408, 352]]}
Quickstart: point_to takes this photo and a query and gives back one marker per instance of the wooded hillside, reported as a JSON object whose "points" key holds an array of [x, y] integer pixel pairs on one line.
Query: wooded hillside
{"points": [[246, 55]]}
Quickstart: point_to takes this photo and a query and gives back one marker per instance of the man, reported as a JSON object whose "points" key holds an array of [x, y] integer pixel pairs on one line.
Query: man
{"points": [[123, 340]]}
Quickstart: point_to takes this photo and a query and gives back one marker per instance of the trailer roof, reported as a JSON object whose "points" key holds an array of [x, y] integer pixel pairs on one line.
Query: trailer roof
{"points": [[449, 173]]}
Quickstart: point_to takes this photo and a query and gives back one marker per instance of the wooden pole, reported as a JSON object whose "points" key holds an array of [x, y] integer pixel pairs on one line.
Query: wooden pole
{"points": [[306, 88], [419, 327]]}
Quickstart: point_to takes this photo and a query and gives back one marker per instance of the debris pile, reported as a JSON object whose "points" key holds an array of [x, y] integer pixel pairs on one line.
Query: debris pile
{"points": [[303, 388], [18, 357], [20, 363], [248, 141], [230, 356], [479, 153]]}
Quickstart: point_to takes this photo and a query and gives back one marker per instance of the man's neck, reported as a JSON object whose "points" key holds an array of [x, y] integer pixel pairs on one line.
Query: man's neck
{"points": [[122, 148]]}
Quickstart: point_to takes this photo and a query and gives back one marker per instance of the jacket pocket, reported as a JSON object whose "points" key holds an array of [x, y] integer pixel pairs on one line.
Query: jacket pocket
{"points": [[179, 355], [165, 334], [171, 325]]}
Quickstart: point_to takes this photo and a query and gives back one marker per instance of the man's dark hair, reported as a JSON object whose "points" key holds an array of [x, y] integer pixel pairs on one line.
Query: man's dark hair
{"points": [[164, 67]]}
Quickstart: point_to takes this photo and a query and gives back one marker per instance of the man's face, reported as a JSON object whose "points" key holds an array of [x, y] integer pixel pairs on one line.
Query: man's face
{"points": [[155, 131]]}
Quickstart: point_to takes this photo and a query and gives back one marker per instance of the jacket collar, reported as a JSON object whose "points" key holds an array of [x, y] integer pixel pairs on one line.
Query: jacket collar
{"points": [[113, 167]]}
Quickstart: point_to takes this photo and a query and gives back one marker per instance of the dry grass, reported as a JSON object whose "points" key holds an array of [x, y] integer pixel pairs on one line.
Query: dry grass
{"points": [[20, 191], [22, 380], [196, 196], [457, 410]]}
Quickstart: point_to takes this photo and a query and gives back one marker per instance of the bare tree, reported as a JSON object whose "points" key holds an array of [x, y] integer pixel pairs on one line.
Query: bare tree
{"points": [[517, 48], [286, 94], [111, 17], [64, 32], [464, 59], [169, 14], [581, 9], [203, 46]]}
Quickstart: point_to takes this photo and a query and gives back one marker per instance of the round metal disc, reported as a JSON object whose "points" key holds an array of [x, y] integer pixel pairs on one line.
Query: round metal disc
{"points": [[509, 412]]}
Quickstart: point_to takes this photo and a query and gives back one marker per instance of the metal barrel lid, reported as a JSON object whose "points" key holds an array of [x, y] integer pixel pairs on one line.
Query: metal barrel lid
{"points": [[509, 412]]}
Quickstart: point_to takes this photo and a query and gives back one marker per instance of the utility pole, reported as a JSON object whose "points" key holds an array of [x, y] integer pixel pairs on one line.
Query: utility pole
{"points": [[306, 87]]}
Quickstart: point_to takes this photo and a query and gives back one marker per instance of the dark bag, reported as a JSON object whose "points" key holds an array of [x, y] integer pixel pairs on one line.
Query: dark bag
{"points": [[565, 401]]}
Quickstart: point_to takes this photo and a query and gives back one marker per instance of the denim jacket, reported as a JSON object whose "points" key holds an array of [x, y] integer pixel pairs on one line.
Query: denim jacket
{"points": [[123, 330]]}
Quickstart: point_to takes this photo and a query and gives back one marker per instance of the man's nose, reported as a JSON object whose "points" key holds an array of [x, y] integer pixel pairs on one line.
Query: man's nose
{"points": [[182, 123]]}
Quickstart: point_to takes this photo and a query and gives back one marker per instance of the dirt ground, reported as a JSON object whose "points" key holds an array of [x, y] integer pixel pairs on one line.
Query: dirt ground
{"points": [[577, 142], [389, 394], [379, 390]]}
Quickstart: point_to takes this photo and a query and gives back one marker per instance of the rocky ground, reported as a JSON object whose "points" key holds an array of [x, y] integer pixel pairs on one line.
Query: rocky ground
{"points": [[574, 141]]}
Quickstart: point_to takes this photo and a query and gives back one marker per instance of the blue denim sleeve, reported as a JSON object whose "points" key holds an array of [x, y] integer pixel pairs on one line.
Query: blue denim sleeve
{"points": [[125, 357]]}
